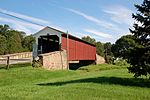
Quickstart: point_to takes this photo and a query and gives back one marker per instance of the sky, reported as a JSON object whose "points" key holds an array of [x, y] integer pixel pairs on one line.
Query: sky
{"points": [[103, 20]]}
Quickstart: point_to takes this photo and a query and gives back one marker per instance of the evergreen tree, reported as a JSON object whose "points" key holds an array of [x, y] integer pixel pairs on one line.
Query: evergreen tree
{"points": [[140, 56]]}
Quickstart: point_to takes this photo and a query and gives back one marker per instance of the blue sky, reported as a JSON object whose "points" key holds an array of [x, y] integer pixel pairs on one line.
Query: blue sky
{"points": [[104, 20]]}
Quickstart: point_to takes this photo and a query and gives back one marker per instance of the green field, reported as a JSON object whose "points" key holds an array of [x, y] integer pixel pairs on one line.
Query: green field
{"points": [[100, 82]]}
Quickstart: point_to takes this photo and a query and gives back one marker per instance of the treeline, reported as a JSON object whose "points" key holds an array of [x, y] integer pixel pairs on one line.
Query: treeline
{"points": [[128, 49], [135, 48], [13, 41]]}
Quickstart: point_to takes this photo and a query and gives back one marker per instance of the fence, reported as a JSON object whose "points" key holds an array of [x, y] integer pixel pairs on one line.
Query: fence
{"points": [[15, 58]]}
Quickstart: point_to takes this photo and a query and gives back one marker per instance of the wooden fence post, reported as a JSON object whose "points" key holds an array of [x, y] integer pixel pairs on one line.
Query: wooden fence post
{"points": [[7, 66]]}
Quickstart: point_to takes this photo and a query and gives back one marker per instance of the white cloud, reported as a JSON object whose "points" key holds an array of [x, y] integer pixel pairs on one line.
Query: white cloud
{"points": [[29, 18], [27, 27], [101, 23], [92, 36], [80, 35], [101, 34], [21, 26], [120, 14]]}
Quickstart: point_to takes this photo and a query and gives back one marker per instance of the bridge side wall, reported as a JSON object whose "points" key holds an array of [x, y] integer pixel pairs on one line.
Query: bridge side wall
{"points": [[54, 61]]}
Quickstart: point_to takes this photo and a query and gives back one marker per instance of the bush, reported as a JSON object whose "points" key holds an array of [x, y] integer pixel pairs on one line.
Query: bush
{"points": [[109, 59], [36, 64], [121, 62]]}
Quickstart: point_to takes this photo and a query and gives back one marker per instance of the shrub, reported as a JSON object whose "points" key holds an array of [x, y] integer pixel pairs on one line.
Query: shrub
{"points": [[36, 64], [109, 59], [121, 62]]}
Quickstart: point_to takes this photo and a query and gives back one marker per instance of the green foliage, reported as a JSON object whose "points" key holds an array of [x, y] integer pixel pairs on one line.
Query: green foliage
{"points": [[109, 59], [28, 42], [140, 59], [13, 41], [89, 39], [121, 62], [2, 44], [4, 30], [107, 48], [36, 64], [124, 46], [108, 53], [100, 49]]}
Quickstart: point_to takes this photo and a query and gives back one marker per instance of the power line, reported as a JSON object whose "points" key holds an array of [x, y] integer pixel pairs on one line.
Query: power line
{"points": [[21, 18]]}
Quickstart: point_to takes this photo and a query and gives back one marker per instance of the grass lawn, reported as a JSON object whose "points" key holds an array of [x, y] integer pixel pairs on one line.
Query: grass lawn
{"points": [[100, 82]]}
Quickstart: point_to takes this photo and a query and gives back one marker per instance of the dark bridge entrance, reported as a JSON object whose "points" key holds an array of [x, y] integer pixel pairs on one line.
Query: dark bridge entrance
{"points": [[48, 44]]}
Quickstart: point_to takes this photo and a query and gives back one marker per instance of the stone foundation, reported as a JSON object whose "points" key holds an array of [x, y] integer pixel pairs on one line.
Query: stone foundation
{"points": [[54, 61], [99, 59], [58, 60]]}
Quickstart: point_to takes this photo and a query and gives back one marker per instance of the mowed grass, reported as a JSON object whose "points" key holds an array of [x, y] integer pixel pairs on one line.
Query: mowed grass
{"points": [[22, 82]]}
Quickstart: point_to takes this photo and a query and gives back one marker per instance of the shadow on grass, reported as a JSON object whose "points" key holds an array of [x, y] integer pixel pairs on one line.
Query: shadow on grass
{"points": [[105, 80], [16, 65]]}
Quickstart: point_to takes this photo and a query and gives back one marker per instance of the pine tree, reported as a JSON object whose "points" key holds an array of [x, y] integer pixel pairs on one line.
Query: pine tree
{"points": [[140, 56]]}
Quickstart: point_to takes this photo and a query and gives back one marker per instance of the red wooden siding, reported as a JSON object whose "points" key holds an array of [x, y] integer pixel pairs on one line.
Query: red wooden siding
{"points": [[79, 50]]}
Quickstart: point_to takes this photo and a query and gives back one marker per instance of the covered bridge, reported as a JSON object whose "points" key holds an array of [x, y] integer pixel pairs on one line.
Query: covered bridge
{"points": [[50, 41]]}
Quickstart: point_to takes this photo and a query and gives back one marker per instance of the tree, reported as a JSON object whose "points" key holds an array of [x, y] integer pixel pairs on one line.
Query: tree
{"points": [[108, 53], [28, 42], [107, 48], [3, 45], [100, 48], [14, 42], [124, 45], [89, 39], [4, 29], [140, 56]]}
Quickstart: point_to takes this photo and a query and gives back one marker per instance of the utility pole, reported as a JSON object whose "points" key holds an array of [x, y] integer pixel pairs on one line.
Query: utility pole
{"points": [[67, 50]]}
